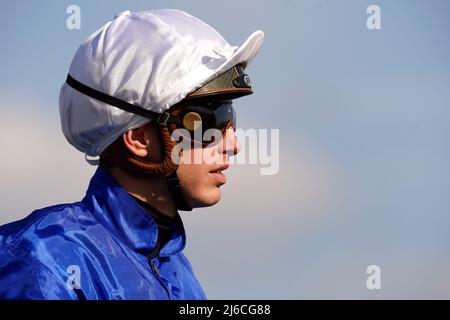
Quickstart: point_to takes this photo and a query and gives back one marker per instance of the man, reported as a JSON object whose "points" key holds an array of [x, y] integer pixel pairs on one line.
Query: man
{"points": [[136, 87]]}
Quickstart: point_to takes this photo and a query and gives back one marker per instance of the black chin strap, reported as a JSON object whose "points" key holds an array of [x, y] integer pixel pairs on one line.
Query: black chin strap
{"points": [[177, 192]]}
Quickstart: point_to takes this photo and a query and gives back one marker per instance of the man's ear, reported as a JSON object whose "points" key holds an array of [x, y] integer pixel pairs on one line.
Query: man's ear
{"points": [[137, 140]]}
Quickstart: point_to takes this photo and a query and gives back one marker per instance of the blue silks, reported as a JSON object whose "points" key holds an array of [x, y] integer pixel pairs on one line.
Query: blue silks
{"points": [[94, 249]]}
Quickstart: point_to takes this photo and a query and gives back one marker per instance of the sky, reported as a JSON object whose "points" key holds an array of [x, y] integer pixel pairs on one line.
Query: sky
{"points": [[363, 116]]}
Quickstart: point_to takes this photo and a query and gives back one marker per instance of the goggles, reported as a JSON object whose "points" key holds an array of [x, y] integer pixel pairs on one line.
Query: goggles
{"points": [[196, 118]]}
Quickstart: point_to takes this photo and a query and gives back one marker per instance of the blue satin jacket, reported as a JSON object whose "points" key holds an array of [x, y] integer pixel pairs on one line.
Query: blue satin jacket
{"points": [[94, 249]]}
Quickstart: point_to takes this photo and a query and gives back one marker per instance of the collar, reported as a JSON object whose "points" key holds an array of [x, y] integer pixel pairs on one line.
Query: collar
{"points": [[115, 209]]}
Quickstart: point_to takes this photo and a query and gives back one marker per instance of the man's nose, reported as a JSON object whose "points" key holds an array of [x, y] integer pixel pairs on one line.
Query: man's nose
{"points": [[231, 145]]}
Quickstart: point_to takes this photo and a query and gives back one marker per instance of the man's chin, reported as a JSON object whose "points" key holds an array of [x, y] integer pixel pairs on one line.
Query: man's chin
{"points": [[205, 201]]}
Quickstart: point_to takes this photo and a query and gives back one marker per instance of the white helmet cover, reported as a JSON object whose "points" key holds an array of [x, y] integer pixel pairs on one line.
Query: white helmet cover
{"points": [[152, 59]]}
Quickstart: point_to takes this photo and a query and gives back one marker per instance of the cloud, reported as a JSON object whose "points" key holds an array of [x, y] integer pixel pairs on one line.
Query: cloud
{"points": [[38, 167]]}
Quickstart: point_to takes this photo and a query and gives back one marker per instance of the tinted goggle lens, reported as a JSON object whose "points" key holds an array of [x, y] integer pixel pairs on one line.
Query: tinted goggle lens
{"points": [[209, 115]]}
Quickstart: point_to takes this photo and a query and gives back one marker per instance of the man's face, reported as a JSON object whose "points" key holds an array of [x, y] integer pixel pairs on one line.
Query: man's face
{"points": [[201, 180]]}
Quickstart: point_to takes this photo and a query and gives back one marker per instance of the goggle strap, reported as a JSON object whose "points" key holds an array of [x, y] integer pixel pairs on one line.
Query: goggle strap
{"points": [[161, 118]]}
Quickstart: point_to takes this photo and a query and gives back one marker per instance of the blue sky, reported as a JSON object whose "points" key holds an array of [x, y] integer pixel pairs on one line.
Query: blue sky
{"points": [[364, 125]]}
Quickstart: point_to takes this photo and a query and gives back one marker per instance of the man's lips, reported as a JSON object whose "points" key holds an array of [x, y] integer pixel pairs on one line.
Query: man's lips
{"points": [[220, 168], [218, 175]]}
